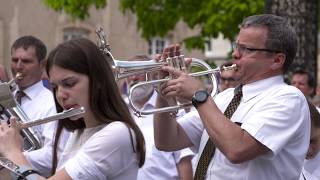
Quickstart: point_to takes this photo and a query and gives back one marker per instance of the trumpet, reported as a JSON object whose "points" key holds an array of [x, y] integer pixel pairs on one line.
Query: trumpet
{"points": [[12, 82], [210, 72], [124, 69]]}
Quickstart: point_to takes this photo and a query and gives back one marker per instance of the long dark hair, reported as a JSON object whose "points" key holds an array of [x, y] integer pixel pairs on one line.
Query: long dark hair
{"points": [[83, 56]]}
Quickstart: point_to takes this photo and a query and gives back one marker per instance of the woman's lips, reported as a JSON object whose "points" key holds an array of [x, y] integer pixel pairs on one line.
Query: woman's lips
{"points": [[69, 106]]}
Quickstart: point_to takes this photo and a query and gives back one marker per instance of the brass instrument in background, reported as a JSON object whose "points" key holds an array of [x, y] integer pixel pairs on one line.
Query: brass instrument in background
{"points": [[124, 69], [9, 107]]}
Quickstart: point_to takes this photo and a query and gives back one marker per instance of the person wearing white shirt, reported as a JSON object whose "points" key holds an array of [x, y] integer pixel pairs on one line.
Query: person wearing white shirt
{"points": [[104, 142], [311, 166], [159, 164], [305, 82], [28, 58], [268, 134]]}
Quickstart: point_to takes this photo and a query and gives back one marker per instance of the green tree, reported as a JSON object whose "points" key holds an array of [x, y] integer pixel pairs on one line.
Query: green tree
{"points": [[77, 9], [158, 17], [303, 16]]}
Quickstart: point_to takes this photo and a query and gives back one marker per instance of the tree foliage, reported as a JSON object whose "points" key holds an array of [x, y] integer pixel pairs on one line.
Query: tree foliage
{"points": [[158, 17], [77, 9]]}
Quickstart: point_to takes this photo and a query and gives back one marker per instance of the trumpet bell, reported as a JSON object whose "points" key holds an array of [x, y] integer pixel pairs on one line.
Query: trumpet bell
{"points": [[144, 90]]}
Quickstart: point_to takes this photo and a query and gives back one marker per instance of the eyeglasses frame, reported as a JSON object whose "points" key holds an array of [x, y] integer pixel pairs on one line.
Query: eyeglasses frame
{"points": [[242, 48]]}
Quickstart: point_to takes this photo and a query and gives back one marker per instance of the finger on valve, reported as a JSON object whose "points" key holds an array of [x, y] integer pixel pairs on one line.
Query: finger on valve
{"points": [[13, 122]]}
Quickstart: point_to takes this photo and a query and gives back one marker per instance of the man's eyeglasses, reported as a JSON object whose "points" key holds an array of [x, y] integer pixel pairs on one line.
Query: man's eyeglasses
{"points": [[243, 49]]}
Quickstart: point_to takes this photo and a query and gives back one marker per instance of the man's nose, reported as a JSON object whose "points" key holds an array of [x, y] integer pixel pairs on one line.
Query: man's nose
{"points": [[19, 64]]}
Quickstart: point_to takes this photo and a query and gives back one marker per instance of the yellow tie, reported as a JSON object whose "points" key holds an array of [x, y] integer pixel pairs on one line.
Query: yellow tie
{"points": [[209, 149]]}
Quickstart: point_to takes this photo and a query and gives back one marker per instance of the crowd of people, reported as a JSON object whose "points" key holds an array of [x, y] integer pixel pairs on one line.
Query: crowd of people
{"points": [[256, 127]]}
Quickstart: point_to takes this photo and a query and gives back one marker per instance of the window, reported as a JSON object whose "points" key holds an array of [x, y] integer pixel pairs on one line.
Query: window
{"points": [[74, 33], [217, 47], [156, 45]]}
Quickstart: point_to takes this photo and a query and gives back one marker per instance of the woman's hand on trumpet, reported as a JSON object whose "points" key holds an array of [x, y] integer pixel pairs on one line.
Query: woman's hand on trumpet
{"points": [[10, 138]]}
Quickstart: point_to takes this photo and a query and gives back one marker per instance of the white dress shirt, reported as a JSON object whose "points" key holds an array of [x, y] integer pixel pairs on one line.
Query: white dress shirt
{"points": [[100, 153], [159, 165], [39, 103], [311, 167], [276, 115]]}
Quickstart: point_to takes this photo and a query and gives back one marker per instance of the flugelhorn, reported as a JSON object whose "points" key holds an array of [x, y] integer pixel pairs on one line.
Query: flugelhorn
{"points": [[213, 91], [124, 69]]}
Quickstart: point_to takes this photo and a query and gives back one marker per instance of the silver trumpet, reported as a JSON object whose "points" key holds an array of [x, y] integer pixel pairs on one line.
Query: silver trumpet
{"points": [[213, 90], [124, 69]]}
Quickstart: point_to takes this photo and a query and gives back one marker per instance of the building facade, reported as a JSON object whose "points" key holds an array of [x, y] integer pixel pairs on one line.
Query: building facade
{"points": [[32, 17]]}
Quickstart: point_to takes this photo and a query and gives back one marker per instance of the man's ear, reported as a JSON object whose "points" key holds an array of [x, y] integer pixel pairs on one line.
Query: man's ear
{"points": [[278, 61], [43, 64]]}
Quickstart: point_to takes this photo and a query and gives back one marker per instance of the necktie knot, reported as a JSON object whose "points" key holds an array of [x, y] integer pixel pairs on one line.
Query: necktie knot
{"points": [[238, 90], [19, 96]]}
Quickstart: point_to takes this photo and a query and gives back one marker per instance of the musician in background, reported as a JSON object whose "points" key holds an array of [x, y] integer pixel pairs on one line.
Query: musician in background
{"points": [[159, 164], [227, 79], [28, 56], [311, 167], [306, 83], [105, 142]]}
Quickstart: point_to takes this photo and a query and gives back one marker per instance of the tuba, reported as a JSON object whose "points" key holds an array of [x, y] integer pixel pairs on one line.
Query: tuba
{"points": [[123, 69]]}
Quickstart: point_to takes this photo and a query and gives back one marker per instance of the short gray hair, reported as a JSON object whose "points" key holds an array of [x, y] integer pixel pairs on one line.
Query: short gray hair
{"points": [[281, 35]]}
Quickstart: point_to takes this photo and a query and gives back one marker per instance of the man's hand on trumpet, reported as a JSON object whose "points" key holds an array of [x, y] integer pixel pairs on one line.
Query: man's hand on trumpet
{"points": [[181, 85]]}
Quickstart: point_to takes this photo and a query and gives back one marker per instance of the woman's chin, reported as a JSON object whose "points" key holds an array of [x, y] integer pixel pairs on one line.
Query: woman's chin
{"points": [[74, 118]]}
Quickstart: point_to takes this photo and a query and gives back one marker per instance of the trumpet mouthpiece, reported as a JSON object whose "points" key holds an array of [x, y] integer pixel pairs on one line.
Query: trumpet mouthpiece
{"points": [[232, 67], [19, 76]]}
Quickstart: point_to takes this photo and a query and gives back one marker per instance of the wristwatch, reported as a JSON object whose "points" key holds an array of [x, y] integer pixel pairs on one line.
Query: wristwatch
{"points": [[199, 98]]}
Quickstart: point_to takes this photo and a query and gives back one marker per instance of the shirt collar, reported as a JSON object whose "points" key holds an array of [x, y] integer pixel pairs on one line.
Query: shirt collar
{"points": [[253, 89], [33, 90], [151, 103]]}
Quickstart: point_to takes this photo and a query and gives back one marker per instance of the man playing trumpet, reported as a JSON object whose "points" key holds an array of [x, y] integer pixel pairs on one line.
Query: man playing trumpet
{"points": [[259, 130], [27, 65]]}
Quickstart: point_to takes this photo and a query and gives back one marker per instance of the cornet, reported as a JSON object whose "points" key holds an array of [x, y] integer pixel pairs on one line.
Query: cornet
{"points": [[124, 69]]}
